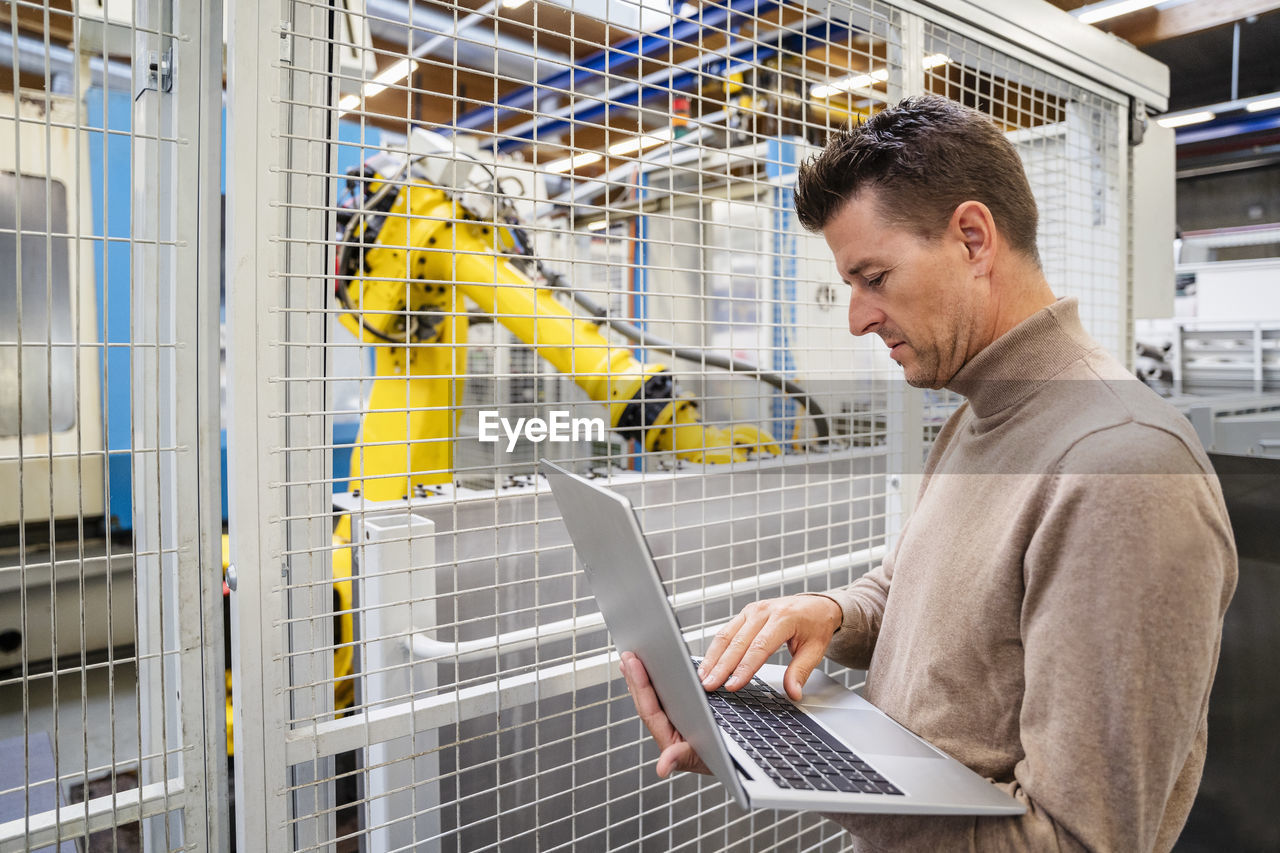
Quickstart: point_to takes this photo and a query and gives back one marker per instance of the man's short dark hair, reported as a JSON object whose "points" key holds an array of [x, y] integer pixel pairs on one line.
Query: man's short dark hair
{"points": [[923, 158]]}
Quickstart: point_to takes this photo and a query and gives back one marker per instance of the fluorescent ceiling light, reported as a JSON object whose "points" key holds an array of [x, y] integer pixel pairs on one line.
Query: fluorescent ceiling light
{"points": [[1263, 104], [1186, 118], [864, 81], [598, 225], [570, 163], [393, 73], [1112, 9], [639, 143], [845, 84], [513, 4]]}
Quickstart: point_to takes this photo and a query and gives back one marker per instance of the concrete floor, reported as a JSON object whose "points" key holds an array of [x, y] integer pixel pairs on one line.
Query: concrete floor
{"points": [[80, 721], [90, 717]]}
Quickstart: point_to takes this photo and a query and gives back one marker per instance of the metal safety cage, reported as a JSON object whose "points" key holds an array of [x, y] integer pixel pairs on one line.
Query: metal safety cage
{"points": [[111, 625], [566, 231]]}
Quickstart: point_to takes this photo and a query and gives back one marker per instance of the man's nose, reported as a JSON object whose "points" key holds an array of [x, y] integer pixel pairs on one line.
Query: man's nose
{"points": [[863, 317]]}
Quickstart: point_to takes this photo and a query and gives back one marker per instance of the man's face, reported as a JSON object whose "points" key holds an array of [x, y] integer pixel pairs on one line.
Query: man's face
{"points": [[916, 294]]}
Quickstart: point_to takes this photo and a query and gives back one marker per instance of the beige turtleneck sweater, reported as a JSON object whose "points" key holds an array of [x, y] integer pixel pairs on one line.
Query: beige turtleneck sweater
{"points": [[1051, 613]]}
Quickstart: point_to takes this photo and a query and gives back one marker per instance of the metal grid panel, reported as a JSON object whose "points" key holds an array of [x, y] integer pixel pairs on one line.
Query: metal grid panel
{"points": [[110, 718], [459, 692], [1076, 161]]}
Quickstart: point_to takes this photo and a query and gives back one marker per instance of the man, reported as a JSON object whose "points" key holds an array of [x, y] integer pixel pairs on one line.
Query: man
{"points": [[1052, 611]]}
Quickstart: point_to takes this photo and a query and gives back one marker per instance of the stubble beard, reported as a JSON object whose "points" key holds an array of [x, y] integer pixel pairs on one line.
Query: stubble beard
{"points": [[924, 373]]}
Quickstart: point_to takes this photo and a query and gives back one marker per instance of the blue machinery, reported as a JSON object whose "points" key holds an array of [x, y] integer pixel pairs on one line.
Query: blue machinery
{"points": [[112, 219]]}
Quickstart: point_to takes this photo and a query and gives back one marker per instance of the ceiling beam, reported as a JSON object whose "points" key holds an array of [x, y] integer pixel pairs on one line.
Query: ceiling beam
{"points": [[55, 18], [1148, 26]]}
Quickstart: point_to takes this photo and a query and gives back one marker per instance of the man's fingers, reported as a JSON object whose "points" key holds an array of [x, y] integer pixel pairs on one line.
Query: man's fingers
{"points": [[676, 753], [805, 658], [638, 685], [739, 644], [636, 675], [718, 644], [680, 757], [738, 650], [759, 650], [648, 708], [672, 758]]}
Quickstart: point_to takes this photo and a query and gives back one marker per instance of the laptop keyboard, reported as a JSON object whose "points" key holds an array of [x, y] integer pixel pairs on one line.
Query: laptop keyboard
{"points": [[792, 749]]}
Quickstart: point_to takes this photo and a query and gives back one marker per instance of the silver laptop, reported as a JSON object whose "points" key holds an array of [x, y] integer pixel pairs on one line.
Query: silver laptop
{"points": [[833, 751]]}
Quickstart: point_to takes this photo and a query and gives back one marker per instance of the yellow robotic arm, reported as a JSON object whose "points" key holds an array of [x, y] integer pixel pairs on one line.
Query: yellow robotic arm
{"points": [[411, 256], [421, 256]]}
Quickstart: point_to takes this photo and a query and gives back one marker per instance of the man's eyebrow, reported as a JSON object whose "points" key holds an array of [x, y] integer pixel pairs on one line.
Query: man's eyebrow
{"points": [[857, 268]]}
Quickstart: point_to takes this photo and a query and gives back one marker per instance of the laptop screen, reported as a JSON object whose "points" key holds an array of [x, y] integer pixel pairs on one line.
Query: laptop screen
{"points": [[624, 579]]}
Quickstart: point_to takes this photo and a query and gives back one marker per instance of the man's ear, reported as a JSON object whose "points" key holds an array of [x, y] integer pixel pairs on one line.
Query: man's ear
{"points": [[973, 222]]}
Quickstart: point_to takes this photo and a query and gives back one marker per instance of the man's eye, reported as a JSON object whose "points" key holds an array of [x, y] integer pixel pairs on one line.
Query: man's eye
{"points": [[877, 281]]}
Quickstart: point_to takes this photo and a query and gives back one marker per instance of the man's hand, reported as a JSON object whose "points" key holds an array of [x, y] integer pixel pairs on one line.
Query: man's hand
{"points": [[804, 623], [677, 754]]}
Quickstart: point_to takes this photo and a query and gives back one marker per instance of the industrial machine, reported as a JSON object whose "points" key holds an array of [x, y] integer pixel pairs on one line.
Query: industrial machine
{"points": [[424, 233], [413, 251], [52, 437], [50, 406]]}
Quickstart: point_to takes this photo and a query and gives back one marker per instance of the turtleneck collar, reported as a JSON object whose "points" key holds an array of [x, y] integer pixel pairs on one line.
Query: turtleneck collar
{"points": [[1022, 359]]}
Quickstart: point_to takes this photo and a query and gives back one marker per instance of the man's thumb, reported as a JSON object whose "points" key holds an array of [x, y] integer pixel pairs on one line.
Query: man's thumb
{"points": [[800, 668]]}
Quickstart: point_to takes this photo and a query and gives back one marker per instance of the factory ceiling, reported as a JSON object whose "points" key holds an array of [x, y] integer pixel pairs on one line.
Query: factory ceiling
{"points": [[471, 53], [1221, 54], [1195, 39], [1217, 51]]}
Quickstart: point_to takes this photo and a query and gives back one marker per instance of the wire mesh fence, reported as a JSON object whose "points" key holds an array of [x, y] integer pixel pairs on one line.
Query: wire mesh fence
{"points": [[543, 216], [110, 629], [460, 237]]}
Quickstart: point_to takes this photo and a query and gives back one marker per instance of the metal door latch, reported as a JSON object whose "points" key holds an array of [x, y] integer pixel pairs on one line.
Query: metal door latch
{"points": [[160, 71]]}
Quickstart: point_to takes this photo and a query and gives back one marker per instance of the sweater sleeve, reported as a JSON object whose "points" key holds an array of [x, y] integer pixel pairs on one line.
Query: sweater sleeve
{"points": [[1126, 581], [863, 601], [862, 605]]}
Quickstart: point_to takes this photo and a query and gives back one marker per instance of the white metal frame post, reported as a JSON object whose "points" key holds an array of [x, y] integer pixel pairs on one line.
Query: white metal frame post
{"points": [[176, 422], [200, 111], [254, 258], [905, 425], [396, 582], [155, 375], [306, 62], [278, 430], [1124, 213]]}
